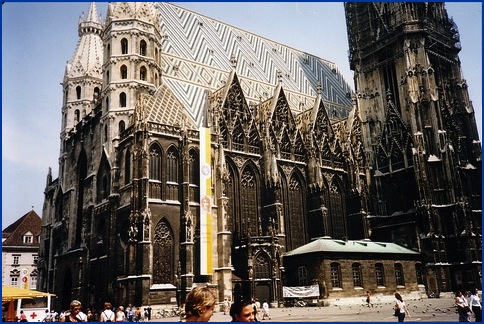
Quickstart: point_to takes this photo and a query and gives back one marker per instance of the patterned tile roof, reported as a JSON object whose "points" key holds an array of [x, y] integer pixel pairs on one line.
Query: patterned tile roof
{"points": [[199, 53]]}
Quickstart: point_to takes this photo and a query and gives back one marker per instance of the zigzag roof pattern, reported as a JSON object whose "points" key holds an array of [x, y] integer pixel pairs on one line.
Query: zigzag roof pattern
{"points": [[199, 53]]}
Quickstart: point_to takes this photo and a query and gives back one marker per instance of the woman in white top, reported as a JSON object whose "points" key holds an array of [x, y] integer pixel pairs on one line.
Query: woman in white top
{"points": [[107, 315], [402, 307], [462, 307], [476, 305], [120, 315]]}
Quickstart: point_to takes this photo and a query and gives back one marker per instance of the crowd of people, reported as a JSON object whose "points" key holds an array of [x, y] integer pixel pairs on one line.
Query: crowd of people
{"points": [[200, 304]]}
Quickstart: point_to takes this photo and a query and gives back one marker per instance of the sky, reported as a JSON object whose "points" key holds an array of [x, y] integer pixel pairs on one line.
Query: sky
{"points": [[39, 38]]}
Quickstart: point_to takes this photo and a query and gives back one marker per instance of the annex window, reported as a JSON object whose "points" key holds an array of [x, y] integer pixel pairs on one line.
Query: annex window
{"points": [[124, 72], [124, 46], [249, 202], [122, 99], [336, 275], [35, 259], [379, 274], [142, 73], [356, 270], [142, 48], [418, 274], [302, 273], [399, 279], [16, 259], [78, 92], [14, 281]]}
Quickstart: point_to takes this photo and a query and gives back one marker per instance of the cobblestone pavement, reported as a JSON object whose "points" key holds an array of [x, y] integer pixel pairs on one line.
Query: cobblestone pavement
{"points": [[421, 310]]}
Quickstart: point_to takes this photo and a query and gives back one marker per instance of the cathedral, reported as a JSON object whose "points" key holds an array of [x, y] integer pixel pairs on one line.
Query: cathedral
{"points": [[196, 153]]}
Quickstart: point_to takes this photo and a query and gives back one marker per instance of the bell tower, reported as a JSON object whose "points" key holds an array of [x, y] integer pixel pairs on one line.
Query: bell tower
{"points": [[132, 48], [419, 134]]}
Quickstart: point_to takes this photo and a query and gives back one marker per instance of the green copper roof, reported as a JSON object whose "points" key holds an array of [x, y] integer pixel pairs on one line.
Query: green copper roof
{"points": [[363, 246]]}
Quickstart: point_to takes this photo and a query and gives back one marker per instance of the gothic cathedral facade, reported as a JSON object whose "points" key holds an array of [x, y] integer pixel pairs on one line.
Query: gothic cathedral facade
{"points": [[293, 156]]}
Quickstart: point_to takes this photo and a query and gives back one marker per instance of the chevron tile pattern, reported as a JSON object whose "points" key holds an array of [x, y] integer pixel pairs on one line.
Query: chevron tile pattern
{"points": [[199, 53]]}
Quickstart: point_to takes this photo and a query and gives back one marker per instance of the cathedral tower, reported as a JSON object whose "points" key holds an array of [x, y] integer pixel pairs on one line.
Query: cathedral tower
{"points": [[419, 132], [132, 43]]}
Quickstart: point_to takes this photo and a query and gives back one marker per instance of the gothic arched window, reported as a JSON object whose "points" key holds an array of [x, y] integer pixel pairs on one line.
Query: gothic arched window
{"points": [[77, 116], [163, 251], [78, 92], [122, 126], [193, 176], [122, 99], [124, 46], [297, 227], [248, 202], [142, 48], [172, 174], [124, 72], [336, 210], [127, 167], [142, 73], [262, 267], [155, 162]]}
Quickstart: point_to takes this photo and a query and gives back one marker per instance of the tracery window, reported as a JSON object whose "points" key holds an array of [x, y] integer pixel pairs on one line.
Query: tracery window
{"points": [[399, 279], [193, 176], [172, 174], [155, 171], [77, 115], [248, 202], [122, 126], [335, 275], [262, 267], [337, 217], [379, 274], [356, 269], [296, 213], [163, 251]]}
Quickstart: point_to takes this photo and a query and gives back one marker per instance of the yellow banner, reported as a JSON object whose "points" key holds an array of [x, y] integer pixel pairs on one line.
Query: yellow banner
{"points": [[206, 266]]}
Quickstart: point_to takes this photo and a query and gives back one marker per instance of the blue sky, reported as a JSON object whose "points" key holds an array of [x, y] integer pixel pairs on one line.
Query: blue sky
{"points": [[39, 38]]}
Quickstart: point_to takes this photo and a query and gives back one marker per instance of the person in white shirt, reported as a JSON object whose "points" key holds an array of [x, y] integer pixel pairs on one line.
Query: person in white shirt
{"points": [[476, 306], [462, 307], [107, 315]]}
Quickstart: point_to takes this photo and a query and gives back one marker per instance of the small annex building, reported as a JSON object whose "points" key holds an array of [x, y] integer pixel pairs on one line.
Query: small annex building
{"points": [[346, 268]]}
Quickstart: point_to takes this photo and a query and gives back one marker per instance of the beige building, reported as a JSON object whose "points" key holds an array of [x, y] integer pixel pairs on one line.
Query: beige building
{"points": [[20, 250]]}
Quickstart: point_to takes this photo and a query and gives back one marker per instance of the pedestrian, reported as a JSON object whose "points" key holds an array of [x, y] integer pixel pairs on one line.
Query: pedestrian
{"points": [[463, 308], [265, 310], [75, 313], [368, 299], [401, 307], [256, 310], [226, 306], [130, 313], [23, 317], [476, 306], [107, 315], [199, 305], [242, 311], [120, 315]]}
